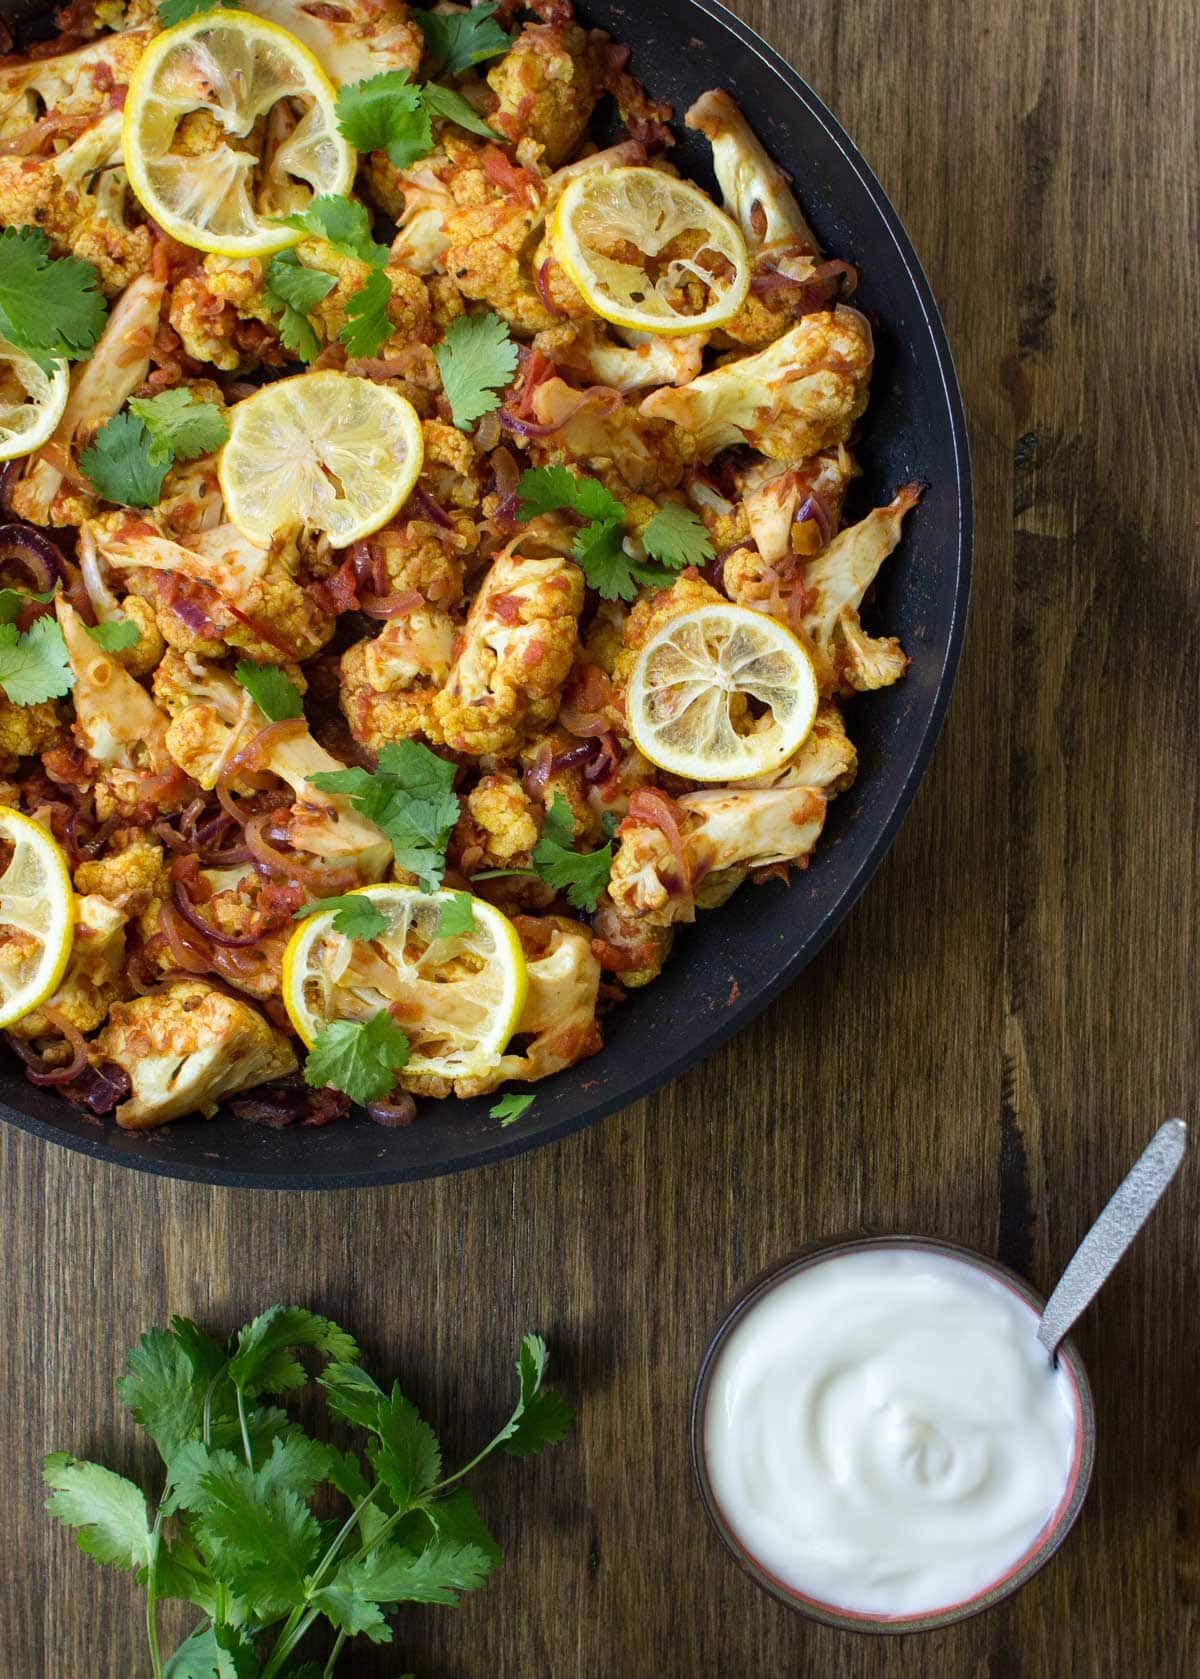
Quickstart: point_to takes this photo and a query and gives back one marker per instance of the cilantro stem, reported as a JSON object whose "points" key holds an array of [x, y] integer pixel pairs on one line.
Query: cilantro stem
{"points": [[334, 1654], [294, 1628], [152, 1599], [241, 1410]]}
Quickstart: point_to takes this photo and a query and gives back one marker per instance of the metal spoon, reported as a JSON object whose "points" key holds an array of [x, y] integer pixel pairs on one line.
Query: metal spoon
{"points": [[1100, 1252]]}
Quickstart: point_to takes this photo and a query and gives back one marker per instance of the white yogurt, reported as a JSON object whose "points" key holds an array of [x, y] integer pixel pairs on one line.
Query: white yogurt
{"points": [[884, 1433]]}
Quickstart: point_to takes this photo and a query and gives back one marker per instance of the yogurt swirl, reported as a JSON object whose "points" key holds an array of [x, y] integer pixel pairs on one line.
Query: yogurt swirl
{"points": [[884, 1433]]}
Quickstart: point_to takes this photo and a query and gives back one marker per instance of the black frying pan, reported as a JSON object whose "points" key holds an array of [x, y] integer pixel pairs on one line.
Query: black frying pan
{"points": [[749, 950]]}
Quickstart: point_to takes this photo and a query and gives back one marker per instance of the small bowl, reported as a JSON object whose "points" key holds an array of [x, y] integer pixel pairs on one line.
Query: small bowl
{"points": [[1026, 1566]]}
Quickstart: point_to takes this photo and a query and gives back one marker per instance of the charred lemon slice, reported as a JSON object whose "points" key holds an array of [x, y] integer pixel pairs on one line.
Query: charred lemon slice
{"points": [[37, 916], [457, 996], [31, 401]]}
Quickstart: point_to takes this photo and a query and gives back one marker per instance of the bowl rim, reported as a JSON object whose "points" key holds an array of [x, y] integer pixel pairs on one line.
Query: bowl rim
{"points": [[1045, 1543], [81, 1137]]}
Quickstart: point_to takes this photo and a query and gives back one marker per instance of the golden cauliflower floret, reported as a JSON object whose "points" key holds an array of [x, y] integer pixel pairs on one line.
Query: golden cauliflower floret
{"points": [[389, 684], [95, 976], [488, 256], [416, 557], [502, 819], [205, 322], [198, 740], [148, 649], [26, 730], [129, 879], [186, 1047], [513, 655], [651, 612], [612, 439], [293, 626], [845, 656], [547, 84], [450, 466]]}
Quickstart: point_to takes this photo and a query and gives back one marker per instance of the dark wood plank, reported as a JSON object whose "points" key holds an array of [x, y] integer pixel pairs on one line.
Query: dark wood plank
{"points": [[978, 1053]]}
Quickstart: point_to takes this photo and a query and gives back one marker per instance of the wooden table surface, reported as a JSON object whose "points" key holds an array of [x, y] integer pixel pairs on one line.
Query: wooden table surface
{"points": [[978, 1053]]}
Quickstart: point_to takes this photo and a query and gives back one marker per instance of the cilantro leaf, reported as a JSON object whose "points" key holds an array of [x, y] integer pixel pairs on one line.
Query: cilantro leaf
{"points": [[355, 915], [293, 291], [258, 1537], [510, 1108], [410, 797], [214, 1652], [477, 359], [49, 307], [271, 689], [34, 666], [583, 875], [676, 537], [171, 12], [393, 1574], [14, 601], [444, 102], [406, 1456], [340, 222], [161, 1388], [180, 428], [108, 1511], [115, 634], [542, 1416], [600, 550], [457, 916], [367, 325], [543, 489], [456, 41], [386, 113], [123, 464], [458, 1521], [263, 1362], [360, 1058], [353, 1393]]}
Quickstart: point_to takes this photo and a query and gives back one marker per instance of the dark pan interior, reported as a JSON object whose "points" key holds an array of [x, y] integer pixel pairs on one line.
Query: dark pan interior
{"points": [[762, 939]]}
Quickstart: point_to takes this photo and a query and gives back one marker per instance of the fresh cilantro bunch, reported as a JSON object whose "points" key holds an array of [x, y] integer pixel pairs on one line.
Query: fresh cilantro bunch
{"points": [[477, 359], [293, 290], [675, 537], [411, 797], [458, 40], [131, 455], [233, 1529], [391, 113], [50, 307]]}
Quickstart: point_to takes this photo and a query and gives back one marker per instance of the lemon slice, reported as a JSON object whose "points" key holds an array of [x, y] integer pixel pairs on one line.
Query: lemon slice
{"points": [[721, 694], [31, 402], [37, 916], [225, 117], [650, 252], [457, 997], [324, 450]]}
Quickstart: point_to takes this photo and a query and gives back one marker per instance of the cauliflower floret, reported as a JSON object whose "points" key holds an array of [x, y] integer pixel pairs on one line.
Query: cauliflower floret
{"points": [[450, 465], [559, 1017], [754, 189], [835, 582], [129, 880], [26, 730], [95, 976], [800, 395], [627, 946], [186, 1047], [75, 85], [626, 361], [491, 233], [513, 656], [415, 555], [419, 201], [501, 822], [99, 388], [353, 39], [207, 308], [619, 443], [774, 495], [389, 684], [547, 85]]}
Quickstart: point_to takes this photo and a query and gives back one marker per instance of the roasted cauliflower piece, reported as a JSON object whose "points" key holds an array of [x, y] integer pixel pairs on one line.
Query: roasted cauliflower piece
{"points": [[621, 358], [835, 582], [623, 445], [547, 86], [184, 1048], [129, 880], [651, 611], [754, 189], [800, 395], [26, 730], [490, 240], [513, 655], [559, 1017], [95, 976], [389, 684], [502, 826], [352, 39]]}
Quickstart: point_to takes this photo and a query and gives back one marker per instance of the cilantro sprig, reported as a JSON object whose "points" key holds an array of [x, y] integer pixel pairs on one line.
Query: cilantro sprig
{"points": [[293, 289], [477, 359], [675, 537], [50, 307], [391, 113], [131, 454], [410, 796], [34, 665], [271, 689], [232, 1528], [582, 875], [359, 1057], [456, 41], [509, 1109], [355, 915]]}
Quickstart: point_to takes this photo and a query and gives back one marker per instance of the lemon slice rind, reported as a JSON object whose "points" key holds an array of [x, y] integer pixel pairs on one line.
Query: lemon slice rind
{"points": [[249, 65], [26, 425], [678, 702], [36, 897], [323, 450], [464, 1022], [651, 208]]}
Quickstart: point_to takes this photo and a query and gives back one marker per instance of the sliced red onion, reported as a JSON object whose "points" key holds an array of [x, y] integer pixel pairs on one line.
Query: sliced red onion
{"points": [[430, 508], [525, 428], [100, 1089], [22, 545], [396, 1110], [582, 753], [812, 507], [606, 764], [189, 912]]}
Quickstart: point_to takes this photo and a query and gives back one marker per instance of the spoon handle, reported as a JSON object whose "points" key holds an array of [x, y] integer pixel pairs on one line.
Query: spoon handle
{"points": [[1101, 1250]]}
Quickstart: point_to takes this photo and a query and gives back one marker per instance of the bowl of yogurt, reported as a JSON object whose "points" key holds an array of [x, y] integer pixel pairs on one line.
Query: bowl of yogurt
{"points": [[881, 1441]]}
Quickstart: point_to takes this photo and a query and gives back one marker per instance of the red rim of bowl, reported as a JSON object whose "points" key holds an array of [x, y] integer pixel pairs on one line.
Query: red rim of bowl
{"points": [[1023, 1569]]}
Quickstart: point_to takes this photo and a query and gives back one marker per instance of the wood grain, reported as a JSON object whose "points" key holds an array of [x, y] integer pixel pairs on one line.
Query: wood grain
{"points": [[978, 1053]]}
